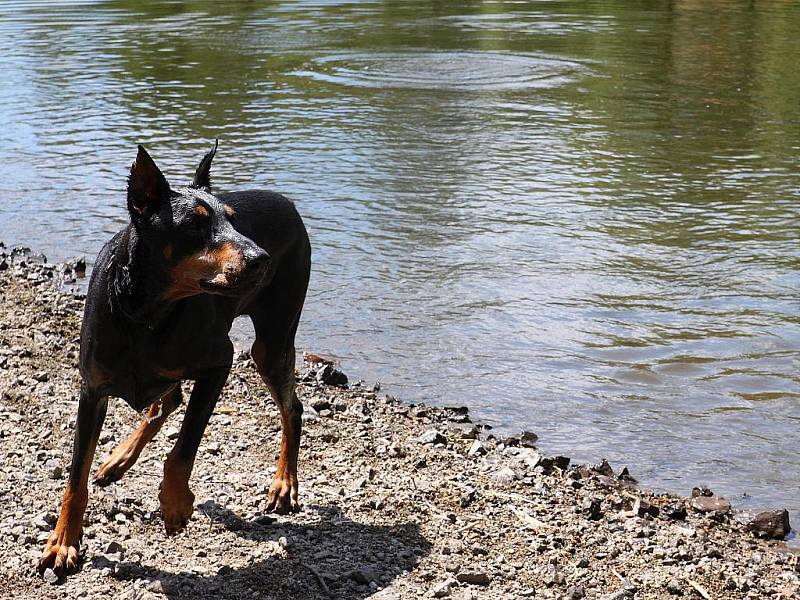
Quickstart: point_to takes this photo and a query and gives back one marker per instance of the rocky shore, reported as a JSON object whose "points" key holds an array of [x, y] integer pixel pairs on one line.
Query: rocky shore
{"points": [[399, 501]]}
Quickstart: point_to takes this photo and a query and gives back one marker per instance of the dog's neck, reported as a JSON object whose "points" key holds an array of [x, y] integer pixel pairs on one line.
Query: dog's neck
{"points": [[136, 282]]}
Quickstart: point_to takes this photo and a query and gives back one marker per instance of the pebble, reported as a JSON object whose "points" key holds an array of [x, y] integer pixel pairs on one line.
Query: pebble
{"points": [[50, 576], [432, 436], [711, 504], [443, 589], [474, 577]]}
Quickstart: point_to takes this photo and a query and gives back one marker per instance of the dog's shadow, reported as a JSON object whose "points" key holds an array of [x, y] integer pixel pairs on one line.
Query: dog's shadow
{"points": [[334, 557]]}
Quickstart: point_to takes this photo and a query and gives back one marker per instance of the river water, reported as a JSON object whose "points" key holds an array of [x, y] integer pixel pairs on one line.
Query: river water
{"points": [[581, 219]]}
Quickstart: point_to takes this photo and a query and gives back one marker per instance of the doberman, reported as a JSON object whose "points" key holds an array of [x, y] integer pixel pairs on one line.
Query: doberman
{"points": [[162, 296]]}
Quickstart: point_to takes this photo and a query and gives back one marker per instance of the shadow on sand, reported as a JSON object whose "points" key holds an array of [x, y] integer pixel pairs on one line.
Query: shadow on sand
{"points": [[332, 557]]}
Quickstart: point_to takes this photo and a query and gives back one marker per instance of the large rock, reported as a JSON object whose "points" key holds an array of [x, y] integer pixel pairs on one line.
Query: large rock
{"points": [[770, 524], [715, 505]]}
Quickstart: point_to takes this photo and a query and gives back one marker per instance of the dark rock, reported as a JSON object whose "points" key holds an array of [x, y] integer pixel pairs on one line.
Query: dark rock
{"points": [[528, 439], [467, 497], [78, 265], [330, 376], [580, 472], [363, 575], [562, 462], [711, 504], [624, 475], [674, 510], [474, 577], [592, 508], [642, 508], [701, 491], [319, 404], [546, 463], [770, 524], [603, 468]]}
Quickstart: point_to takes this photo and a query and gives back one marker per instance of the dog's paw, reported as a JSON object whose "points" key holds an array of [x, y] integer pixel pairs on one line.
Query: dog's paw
{"points": [[113, 469], [177, 506], [282, 495], [60, 554]]}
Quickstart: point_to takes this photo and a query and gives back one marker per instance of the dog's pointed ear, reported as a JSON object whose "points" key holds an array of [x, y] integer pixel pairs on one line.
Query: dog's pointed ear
{"points": [[202, 177], [147, 186]]}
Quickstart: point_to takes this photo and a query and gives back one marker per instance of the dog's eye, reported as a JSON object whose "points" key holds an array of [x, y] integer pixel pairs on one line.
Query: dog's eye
{"points": [[196, 225]]}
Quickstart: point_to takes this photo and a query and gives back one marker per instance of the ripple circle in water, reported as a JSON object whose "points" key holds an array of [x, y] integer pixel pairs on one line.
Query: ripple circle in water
{"points": [[468, 71]]}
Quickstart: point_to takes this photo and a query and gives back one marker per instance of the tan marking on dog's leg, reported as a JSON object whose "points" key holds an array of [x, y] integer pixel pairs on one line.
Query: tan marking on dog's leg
{"points": [[127, 453]]}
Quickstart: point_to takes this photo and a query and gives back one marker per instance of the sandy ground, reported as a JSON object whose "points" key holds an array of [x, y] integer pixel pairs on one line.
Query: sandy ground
{"points": [[398, 501]]}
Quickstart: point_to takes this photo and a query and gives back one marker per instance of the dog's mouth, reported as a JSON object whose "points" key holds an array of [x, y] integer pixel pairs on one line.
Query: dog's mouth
{"points": [[222, 288]]}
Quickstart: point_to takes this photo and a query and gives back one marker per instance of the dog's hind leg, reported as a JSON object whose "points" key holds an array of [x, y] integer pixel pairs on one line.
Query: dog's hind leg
{"points": [[127, 453], [277, 370], [61, 551], [175, 497]]}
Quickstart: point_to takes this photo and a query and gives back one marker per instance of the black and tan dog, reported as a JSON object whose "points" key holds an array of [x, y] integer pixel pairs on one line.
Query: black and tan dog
{"points": [[161, 300]]}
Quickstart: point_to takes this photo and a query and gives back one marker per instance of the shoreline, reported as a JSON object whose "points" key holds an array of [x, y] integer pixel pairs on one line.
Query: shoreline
{"points": [[399, 501]]}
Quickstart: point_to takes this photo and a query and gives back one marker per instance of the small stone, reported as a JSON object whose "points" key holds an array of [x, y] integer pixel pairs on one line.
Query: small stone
{"points": [[155, 586], [592, 508], [310, 414], [576, 593], [330, 376], [467, 497], [363, 575], [432, 436], [701, 491], [675, 510], [464, 431], [770, 524], [624, 475], [443, 589], [506, 475], [711, 504], [675, 587], [474, 577], [642, 508], [476, 449], [114, 548], [603, 468], [50, 576], [319, 404]]}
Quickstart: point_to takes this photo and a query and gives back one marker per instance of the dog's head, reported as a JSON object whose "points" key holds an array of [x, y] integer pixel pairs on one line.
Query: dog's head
{"points": [[191, 232]]}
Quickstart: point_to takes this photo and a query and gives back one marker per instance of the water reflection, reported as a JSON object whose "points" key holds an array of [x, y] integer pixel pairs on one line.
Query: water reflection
{"points": [[578, 218]]}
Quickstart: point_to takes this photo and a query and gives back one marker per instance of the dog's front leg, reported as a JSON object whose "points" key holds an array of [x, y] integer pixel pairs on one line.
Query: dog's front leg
{"points": [[61, 551], [175, 497]]}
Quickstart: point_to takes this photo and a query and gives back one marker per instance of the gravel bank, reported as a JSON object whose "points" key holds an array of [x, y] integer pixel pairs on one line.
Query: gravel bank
{"points": [[398, 501]]}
